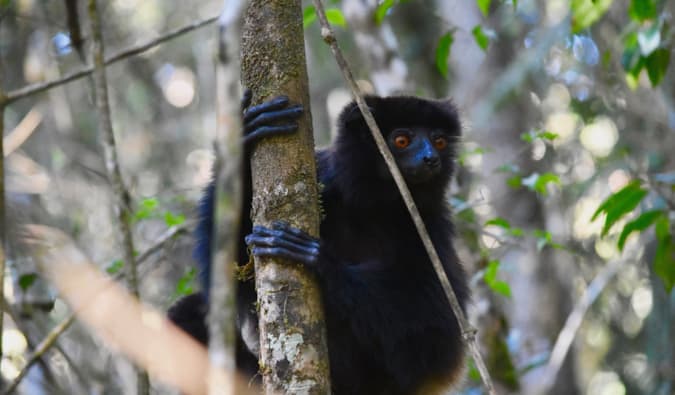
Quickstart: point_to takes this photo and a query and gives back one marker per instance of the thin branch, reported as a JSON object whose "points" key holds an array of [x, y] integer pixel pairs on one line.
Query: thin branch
{"points": [[7, 308], [45, 345], [228, 201], [121, 194], [3, 104], [468, 332], [39, 87], [53, 335], [573, 322]]}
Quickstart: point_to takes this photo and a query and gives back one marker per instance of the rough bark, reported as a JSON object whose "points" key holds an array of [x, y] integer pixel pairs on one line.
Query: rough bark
{"points": [[292, 333], [2, 211]]}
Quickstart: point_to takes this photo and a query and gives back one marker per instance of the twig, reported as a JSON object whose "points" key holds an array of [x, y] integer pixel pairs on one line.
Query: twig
{"points": [[61, 327], [121, 195], [3, 104], [39, 351], [573, 322], [7, 308], [468, 332], [39, 87]]}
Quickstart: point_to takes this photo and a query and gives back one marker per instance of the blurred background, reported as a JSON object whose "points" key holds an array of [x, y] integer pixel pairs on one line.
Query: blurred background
{"points": [[564, 199]]}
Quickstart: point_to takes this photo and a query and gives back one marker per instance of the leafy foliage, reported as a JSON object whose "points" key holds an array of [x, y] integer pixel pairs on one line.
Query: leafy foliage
{"points": [[587, 12], [620, 204]]}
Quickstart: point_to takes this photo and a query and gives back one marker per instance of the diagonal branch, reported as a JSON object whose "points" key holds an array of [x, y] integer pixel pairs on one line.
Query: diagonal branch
{"points": [[39, 87]]}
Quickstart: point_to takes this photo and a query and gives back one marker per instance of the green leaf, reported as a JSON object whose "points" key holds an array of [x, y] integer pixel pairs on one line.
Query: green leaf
{"points": [[484, 6], [586, 12], [382, 9], [631, 59], [530, 136], [173, 220], [146, 209], [515, 182], [544, 239], [115, 267], [538, 182], [26, 280], [657, 65], [664, 259], [185, 285], [308, 16], [490, 277], [620, 204], [641, 10], [501, 287], [443, 52], [638, 225], [498, 221], [335, 17], [481, 39]]}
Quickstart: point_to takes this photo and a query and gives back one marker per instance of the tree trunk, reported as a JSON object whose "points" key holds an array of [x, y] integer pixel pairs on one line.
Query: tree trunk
{"points": [[293, 356]]}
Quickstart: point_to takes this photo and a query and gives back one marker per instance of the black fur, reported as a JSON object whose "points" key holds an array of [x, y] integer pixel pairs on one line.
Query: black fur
{"points": [[390, 327]]}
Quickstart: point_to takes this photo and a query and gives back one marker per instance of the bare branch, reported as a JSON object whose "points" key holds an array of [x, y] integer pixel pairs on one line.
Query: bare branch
{"points": [[39, 351], [39, 87], [468, 332], [121, 195], [573, 323]]}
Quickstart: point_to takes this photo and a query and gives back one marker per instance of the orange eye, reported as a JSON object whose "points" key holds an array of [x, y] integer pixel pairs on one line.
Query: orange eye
{"points": [[440, 143], [401, 141]]}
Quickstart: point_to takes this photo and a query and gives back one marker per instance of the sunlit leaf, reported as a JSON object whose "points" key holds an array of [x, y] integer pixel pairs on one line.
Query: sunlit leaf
{"points": [[172, 219], [481, 39], [484, 6], [491, 272], [544, 238], [586, 12], [657, 65], [308, 16], [620, 204], [382, 9], [641, 10], [490, 278], [638, 225], [502, 288], [335, 17], [26, 280], [443, 53], [501, 222]]}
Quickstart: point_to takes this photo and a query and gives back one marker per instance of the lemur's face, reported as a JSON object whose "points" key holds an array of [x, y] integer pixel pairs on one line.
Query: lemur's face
{"points": [[421, 153]]}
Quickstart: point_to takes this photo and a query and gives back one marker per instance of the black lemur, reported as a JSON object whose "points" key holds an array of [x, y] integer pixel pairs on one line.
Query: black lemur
{"points": [[390, 328]]}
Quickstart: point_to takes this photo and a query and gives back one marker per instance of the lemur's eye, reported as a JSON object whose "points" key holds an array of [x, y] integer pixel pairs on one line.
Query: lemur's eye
{"points": [[440, 143], [401, 141]]}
